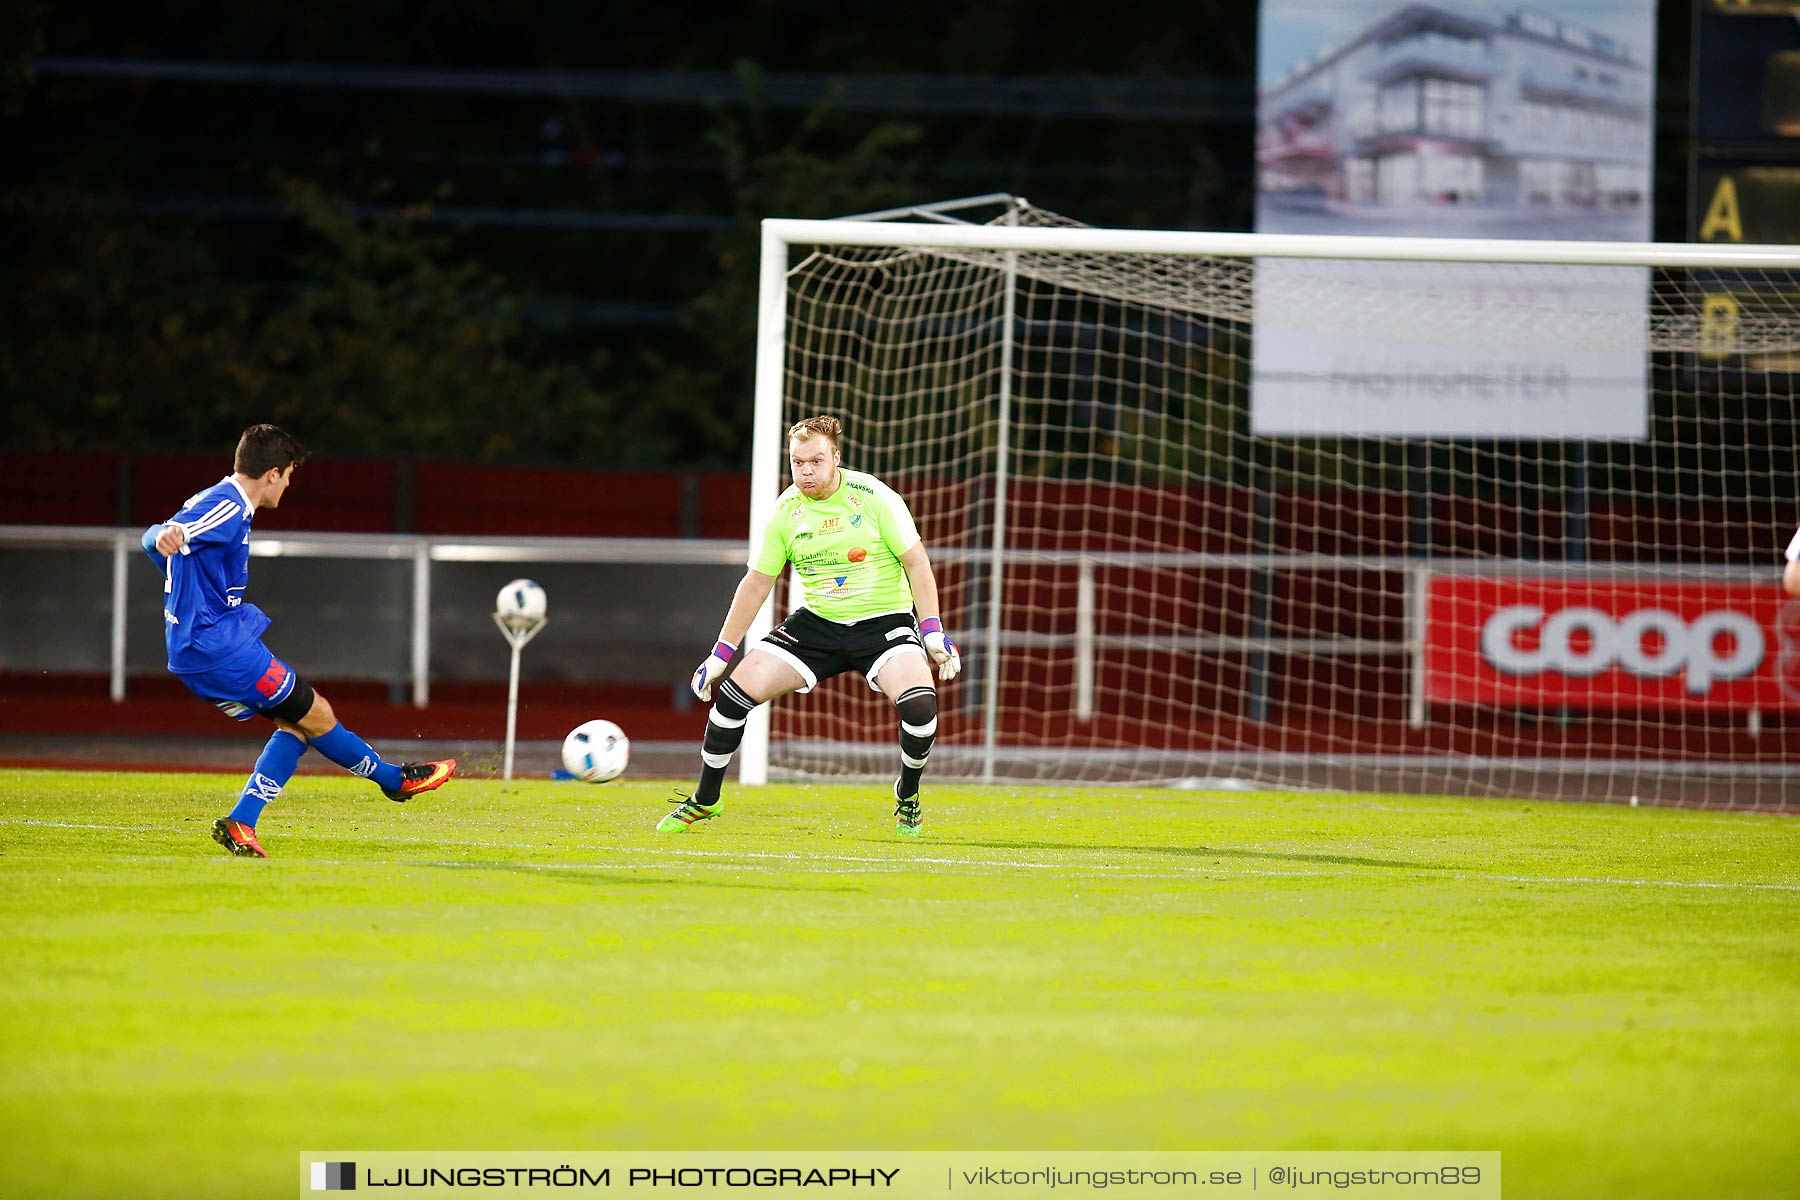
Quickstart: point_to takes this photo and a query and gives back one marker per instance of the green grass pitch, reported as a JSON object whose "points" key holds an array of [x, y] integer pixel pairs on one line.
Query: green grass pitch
{"points": [[1609, 997]]}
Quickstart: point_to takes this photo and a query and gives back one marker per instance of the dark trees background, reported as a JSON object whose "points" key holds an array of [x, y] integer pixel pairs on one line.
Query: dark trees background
{"points": [[502, 232]]}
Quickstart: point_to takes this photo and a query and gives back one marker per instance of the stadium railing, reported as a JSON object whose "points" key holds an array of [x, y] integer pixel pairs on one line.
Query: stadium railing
{"points": [[1086, 643]]}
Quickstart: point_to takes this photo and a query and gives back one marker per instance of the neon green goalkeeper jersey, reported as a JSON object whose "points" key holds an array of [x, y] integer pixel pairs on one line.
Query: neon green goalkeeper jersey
{"points": [[846, 548]]}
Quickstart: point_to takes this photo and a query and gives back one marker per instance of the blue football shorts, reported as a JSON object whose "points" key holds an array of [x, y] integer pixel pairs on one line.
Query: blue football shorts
{"points": [[251, 682]]}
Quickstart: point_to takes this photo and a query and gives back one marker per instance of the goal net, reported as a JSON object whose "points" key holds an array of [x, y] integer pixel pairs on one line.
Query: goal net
{"points": [[1386, 514]]}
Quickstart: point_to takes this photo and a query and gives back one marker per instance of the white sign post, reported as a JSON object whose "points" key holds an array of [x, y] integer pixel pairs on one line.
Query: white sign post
{"points": [[518, 625]]}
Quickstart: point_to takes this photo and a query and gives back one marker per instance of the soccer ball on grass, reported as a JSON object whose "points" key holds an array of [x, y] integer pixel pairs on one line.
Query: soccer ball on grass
{"points": [[596, 751]]}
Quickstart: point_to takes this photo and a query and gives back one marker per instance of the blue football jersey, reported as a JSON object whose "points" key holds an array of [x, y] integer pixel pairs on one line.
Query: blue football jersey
{"points": [[205, 617]]}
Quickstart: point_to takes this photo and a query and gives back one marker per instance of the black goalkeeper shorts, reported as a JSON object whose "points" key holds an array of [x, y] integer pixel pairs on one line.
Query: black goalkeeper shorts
{"points": [[819, 649]]}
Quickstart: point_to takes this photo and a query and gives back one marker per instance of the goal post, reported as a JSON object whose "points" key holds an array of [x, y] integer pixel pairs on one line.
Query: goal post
{"points": [[766, 466], [1197, 518]]}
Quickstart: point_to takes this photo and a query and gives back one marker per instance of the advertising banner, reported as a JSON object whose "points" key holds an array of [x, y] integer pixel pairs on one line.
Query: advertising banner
{"points": [[1605, 644], [1453, 118]]}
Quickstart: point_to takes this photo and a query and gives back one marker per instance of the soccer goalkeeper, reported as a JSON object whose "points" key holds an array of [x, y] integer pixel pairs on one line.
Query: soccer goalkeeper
{"points": [[215, 639], [864, 570]]}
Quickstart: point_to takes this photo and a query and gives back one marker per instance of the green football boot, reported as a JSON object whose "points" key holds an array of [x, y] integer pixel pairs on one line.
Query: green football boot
{"points": [[688, 814], [908, 820]]}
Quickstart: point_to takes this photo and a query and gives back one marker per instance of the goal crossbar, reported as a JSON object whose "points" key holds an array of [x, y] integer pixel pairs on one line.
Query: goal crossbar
{"points": [[780, 233]]}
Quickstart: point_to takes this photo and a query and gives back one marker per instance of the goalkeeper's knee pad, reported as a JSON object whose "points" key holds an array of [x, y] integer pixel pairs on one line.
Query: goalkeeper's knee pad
{"points": [[725, 724], [918, 711]]}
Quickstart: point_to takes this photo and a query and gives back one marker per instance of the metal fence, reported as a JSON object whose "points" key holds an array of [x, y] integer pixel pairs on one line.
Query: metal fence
{"points": [[398, 608]]}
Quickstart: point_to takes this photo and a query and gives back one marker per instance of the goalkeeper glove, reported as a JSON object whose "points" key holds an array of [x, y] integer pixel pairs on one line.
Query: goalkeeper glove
{"points": [[942, 649], [709, 671]]}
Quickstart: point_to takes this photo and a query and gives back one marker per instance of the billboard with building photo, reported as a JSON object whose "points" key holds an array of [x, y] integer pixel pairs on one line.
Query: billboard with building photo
{"points": [[1456, 118]]}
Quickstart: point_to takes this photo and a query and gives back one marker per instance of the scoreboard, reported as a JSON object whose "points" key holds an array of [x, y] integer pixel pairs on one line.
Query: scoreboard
{"points": [[1744, 164]]}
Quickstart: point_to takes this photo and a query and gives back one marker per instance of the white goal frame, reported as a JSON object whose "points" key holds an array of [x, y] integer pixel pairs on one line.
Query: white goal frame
{"points": [[780, 237]]}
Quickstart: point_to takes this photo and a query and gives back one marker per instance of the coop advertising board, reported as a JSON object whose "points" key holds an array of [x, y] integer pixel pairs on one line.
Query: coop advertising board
{"points": [[1456, 118], [1600, 644]]}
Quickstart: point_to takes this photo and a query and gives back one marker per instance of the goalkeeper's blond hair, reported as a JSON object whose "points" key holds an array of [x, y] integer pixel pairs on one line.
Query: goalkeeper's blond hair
{"points": [[829, 428]]}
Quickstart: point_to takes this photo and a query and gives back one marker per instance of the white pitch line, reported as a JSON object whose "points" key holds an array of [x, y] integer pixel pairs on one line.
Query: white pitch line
{"points": [[1613, 879], [869, 864], [874, 869], [72, 825], [857, 858], [673, 850], [890, 867]]}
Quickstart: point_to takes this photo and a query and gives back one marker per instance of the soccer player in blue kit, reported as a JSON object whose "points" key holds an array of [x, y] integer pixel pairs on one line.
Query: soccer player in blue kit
{"points": [[215, 639]]}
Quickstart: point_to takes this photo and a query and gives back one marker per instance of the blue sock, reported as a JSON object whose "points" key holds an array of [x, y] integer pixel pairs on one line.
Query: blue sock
{"points": [[274, 767], [356, 756]]}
